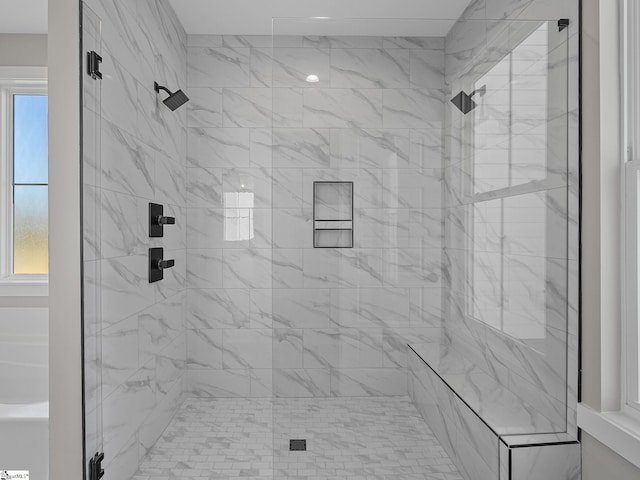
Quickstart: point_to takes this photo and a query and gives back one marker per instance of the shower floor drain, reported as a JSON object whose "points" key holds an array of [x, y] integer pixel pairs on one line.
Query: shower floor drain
{"points": [[297, 445]]}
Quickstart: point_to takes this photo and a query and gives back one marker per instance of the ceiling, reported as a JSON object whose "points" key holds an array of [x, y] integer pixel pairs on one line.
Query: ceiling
{"points": [[254, 17], [23, 16]]}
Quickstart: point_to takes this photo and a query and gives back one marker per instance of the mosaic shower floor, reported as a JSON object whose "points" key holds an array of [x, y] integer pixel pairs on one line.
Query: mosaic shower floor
{"points": [[347, 438]]}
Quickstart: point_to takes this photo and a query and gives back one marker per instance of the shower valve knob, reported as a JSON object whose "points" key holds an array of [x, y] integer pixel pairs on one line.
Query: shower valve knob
{"points": [[162, 220], [162, 264], [157, 220], [157, 264]]}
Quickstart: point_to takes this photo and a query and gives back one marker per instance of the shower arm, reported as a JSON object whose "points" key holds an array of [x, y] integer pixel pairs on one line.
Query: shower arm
{"points": [[482, 90], [157, 88]]}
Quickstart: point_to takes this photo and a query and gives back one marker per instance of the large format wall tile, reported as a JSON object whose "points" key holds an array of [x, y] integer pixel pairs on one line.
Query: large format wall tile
{"points": [[370, 148], [205, 107], [369, 68], [219, 383], [219, 147], [218, 67], [246, 107], [538, 463], [301, 382], [342, 108], [291, 66], [341, 318], [413, 108], [218, 308]]}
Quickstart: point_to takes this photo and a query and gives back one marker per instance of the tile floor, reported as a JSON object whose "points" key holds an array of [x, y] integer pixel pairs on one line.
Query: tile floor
{"points": [[350, 438]]}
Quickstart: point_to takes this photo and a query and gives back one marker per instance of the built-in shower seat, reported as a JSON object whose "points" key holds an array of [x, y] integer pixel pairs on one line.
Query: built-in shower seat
{"points": [[490, 432]]}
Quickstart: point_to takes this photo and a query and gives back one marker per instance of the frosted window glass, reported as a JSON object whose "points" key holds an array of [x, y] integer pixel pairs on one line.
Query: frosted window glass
{"points": [[30, 139], [30, 251]]}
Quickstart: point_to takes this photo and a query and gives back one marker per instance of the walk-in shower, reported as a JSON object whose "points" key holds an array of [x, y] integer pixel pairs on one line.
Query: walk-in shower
{"points": [[371, 279]]}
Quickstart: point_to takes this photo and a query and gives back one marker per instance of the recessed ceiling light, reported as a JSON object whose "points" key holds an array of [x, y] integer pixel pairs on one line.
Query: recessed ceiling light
{"points": [[313, 78]]}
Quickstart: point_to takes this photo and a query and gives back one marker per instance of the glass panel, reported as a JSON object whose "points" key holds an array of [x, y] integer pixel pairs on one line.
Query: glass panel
{"points": [[454, 135], [92, 231], [509, 262], [506, 185], [359, 112], [486, 263], [30, 251], [30, 139], [510, 130]]}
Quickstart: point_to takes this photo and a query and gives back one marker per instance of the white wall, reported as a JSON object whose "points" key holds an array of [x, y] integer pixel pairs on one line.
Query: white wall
{"points": [[25, 316], [23, 50], [65, 354], [600, 462], [24, 359], [601, 100]]}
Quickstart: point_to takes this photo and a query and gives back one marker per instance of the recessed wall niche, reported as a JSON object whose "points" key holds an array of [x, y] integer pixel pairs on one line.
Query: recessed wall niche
{"points": [[333, 214]]}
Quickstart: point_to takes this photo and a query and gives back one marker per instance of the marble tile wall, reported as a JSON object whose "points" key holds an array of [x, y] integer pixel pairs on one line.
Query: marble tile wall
{"points": [[470, 443], [514, 312], [483, 444], [135, 153], [546, 461], [267, 314]]}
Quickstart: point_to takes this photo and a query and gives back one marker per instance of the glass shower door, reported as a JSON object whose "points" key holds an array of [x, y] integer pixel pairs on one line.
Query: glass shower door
{"points": [[91, 218], [420, 179]]}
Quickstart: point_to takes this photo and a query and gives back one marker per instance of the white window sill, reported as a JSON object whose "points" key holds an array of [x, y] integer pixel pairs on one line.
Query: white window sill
{"points": [[616, 430], [24, 288]]}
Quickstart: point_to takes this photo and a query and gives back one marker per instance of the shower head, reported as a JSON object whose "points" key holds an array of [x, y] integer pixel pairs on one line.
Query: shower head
{"points": [[464, 102], [175, 99]]}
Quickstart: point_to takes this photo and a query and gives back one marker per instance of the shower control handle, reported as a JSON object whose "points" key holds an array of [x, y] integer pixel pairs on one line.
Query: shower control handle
{"points": [[162, 264], [157, 220], [157, 264], [162, 220]]}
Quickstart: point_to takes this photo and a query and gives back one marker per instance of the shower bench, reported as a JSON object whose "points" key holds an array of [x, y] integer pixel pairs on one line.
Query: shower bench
{"points": [[485, 427]]}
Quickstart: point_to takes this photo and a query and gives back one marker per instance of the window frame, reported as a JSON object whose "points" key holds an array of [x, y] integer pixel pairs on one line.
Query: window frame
{"points": [[630, 323], [15, 80], [630, 221]]}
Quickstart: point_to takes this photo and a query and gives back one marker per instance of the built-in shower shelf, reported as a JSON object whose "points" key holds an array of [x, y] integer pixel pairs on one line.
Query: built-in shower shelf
{"points": [[332, 214]]}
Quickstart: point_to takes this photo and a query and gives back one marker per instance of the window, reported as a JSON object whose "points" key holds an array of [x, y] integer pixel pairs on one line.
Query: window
{"points": [[514, 187], [24, 254]]}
